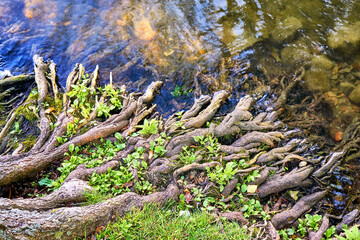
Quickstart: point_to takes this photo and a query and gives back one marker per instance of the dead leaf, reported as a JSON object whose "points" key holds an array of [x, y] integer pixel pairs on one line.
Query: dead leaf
{"points": [[151, 154], [128, 184], [49, 110], [252, 188], [188, 197], [97, 231], [294, 194]]}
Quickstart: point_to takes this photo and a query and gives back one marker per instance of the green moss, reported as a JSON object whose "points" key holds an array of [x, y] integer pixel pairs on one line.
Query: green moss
{"points": [[29, 142], [15, 145], [58, 235], [27, 108]]}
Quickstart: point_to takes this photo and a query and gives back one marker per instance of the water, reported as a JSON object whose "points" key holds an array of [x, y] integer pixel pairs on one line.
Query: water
{"points": [[172, 36]]}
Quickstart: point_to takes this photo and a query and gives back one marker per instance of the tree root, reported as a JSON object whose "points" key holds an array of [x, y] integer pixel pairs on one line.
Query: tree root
{"points": [[332, 160], [240, 137], [286, 218], [278, 183], [68, 223], [278, 153], [230, 186], [322, 229], [194, 166], [71, 192], [14, 169], [82, 172], [235, 216]]}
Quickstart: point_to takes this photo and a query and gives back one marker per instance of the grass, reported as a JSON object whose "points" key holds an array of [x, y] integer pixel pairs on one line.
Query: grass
{"points": [[154, 222]]}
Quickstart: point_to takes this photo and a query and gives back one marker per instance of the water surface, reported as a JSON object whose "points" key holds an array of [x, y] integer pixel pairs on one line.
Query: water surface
{"points": [[182, 36]]}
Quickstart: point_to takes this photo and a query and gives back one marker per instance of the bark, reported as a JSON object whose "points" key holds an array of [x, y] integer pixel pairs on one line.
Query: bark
{"points": [[230, 186], [278, 153], [322, 229], [67, 223], [332, 160], [16, 82], [278, 183], [286, 218], [347, 219], [70, 192]]}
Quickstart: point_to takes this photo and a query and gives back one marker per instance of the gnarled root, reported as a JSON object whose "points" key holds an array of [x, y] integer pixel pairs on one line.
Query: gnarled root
{"points": [[69, 193], [322, 229], [286, 218], [71, 222], [278, 183]]}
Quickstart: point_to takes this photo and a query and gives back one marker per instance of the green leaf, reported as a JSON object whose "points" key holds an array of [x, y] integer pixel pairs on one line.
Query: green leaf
{"points": [[118, 136], [71, 147], [243, 188], [46, 182]]}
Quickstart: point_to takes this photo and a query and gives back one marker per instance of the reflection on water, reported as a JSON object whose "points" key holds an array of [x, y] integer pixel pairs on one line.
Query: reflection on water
{"points": [[184, 39], [176, 35], [212, 41]]}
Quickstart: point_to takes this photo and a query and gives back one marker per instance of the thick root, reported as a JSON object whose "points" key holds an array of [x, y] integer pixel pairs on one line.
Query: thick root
{"points": [[68, 223], [286, 218]]}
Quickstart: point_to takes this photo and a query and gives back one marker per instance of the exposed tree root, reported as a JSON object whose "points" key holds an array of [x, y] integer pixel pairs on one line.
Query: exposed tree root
{"points": [[286, 218], [69, 222], [322, 229], [238, 146], [70, 192], [278, 183]]}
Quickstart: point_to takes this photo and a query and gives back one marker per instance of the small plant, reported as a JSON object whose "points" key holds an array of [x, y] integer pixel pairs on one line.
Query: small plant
{"points": [[111, 183], [104, 109], [16, 128], [287, 234], [187, 156], [157, 146], [92, 157], [253, 207], [329, 233], [312, 221], [180, 91], [46, 182], [93, 197], [149, 127], [222, 175], [350, 234], [210, 144]]}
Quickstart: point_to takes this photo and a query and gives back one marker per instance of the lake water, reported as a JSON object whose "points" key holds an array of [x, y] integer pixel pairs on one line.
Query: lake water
{"points": [[216, 44], [177, 36]]}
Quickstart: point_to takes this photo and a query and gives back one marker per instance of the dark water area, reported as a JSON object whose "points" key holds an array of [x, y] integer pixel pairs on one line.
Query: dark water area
{"points": [[135, 40]]}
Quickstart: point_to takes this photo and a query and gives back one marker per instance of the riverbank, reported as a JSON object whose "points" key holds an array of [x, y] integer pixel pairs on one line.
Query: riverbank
{"points": [[99, 151]]}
